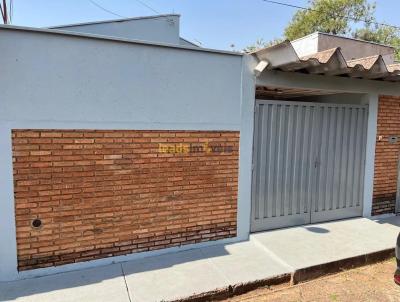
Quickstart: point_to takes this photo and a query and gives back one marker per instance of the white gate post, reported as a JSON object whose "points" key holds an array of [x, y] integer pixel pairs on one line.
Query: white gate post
{"points": [[8, 243], [372, 100], [246, 148]]}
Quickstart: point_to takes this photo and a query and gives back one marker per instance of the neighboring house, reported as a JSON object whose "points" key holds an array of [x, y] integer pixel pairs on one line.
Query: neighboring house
{"points": [[119, 139], [161, 28]]}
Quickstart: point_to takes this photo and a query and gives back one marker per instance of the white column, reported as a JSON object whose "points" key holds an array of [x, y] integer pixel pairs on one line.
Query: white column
{"points": [[8, 243], [372, 100], [246, 148]]}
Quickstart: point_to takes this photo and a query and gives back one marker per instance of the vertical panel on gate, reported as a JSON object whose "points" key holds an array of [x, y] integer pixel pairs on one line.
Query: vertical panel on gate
{"points": [[340, 162], [308, 163], [283, 157]]}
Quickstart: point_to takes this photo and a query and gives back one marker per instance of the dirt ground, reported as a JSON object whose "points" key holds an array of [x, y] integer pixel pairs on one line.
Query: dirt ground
{"points": [[369, 283]]}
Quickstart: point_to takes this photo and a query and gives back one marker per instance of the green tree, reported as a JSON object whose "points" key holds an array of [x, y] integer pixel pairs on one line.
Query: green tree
{"points": [[338, 17], [329, 16], [381, 34]]}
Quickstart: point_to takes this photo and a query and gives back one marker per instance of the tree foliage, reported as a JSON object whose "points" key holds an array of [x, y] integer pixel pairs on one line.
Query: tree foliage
{"points": [[352, 18], [329, 16], [381, 34]]}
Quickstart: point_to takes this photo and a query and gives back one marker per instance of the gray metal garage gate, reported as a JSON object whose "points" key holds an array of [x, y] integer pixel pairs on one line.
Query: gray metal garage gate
{"points": [[308, 161]]}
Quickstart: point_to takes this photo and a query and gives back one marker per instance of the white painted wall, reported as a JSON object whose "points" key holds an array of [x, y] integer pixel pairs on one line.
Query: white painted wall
{"points": [[52, 81], [71, 81], [8, 244], [306, 45], [185, 42], [162, 28]]}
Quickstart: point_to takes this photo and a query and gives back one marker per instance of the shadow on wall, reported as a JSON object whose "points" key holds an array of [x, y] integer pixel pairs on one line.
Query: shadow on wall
{"points": [[75, 279]]}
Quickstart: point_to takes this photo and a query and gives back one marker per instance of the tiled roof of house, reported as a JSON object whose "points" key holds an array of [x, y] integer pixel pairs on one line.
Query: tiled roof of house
{"points": [[330, 62]]}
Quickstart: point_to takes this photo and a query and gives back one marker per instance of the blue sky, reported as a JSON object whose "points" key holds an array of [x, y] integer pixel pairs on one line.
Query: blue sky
{"points": [[216, 23]]}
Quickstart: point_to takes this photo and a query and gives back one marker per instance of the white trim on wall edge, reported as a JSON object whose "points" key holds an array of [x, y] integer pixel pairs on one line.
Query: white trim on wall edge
{"points": [[369, 173]]}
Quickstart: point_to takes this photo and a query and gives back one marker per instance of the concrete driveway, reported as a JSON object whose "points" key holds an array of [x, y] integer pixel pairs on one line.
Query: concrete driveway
{"points": [[183, 274]]}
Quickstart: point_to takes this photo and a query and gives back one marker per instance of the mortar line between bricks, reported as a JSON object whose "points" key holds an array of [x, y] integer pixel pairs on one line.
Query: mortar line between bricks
{"points": [[126, 284]]}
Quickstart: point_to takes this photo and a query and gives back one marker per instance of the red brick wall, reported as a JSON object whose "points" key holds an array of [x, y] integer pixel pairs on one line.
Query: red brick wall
{"points": [[108, 193], [387, 155]]}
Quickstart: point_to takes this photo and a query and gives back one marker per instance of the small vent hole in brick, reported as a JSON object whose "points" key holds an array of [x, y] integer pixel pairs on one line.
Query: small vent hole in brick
{"points": [[36, 223]]}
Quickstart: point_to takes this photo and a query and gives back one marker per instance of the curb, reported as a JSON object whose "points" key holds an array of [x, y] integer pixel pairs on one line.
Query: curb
{"points": [[313, 272], [236, 290], [299, 276]]}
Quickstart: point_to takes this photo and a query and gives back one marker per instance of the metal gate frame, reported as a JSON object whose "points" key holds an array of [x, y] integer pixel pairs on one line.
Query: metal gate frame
{"points": [[301, 219]]}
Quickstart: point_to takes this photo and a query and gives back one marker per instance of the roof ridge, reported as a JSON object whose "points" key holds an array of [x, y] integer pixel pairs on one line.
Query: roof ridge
{"points": [[364, 58], [60, 32], [113, 20]]}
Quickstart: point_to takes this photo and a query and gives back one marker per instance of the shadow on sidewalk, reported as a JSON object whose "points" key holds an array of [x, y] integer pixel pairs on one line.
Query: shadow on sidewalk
{"points": [[81, 278]]}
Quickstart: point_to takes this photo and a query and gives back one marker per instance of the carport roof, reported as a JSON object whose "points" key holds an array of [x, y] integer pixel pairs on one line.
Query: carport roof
{"points": [[329, 62]]}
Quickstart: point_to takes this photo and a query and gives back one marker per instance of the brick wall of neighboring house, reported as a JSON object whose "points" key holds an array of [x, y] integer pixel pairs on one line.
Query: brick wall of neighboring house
{"points": [[108, 193], [387, 156]]}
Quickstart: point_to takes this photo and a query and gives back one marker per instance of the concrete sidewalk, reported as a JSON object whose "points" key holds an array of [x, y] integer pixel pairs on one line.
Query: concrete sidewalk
{"points": [[180, 275]]}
